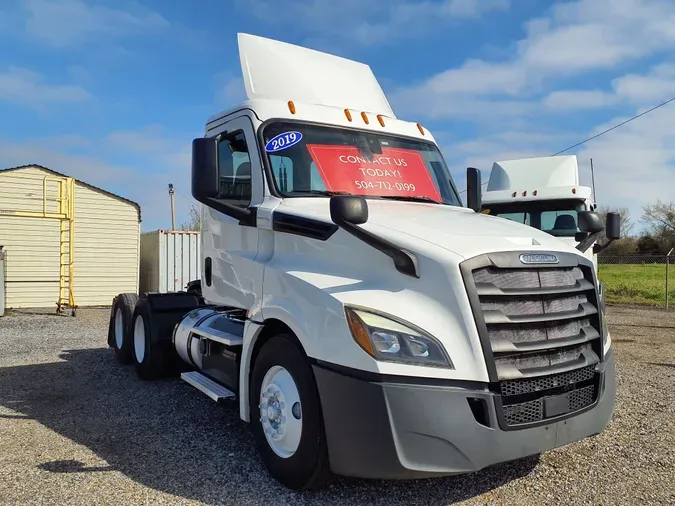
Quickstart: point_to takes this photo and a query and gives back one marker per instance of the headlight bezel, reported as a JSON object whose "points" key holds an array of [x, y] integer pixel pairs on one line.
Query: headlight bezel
{"points": [[366, 323], [606, 340]]}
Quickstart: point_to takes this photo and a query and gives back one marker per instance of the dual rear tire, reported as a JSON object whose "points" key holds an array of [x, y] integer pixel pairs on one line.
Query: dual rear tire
{"points": [[131, 329]]}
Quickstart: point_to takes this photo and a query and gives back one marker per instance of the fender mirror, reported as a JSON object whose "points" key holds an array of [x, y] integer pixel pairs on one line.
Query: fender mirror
{"points": [[348, 209]]}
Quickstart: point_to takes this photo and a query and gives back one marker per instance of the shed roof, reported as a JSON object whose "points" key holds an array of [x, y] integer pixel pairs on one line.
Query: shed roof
{"points": [[91, 186]]}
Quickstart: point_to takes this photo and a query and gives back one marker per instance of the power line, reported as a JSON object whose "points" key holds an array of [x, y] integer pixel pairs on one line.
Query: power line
{"points": [[608, 130], [617, 126]]}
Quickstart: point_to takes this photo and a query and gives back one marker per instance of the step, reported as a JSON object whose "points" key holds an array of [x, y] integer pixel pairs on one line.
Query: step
{"points": [[207, 385]]}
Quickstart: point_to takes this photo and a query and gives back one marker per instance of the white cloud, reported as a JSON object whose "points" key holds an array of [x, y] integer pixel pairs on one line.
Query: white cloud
{"points": [[570, 100], [635, 165], [655, 86], [26, 87], [67, 22], [370, 22], [229, 89], [574, 38]]}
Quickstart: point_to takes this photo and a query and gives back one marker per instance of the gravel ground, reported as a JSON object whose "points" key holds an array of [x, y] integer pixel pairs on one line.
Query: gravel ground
{"points": [[76, 428]]}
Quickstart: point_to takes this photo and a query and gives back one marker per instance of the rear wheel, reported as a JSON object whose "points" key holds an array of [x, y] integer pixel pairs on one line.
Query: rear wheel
{"points": [[152, 358], [286, 416], [122, 311]]}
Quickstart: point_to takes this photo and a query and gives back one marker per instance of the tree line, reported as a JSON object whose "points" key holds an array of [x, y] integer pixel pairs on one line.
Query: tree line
{"points": [[658, 235]]}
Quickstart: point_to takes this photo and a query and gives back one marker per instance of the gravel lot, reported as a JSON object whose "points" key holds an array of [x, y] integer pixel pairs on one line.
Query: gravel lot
{"points": [[76, 428]]}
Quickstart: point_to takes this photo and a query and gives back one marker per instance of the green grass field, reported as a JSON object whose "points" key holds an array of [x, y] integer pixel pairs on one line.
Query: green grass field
{"points": [[637, 284]]}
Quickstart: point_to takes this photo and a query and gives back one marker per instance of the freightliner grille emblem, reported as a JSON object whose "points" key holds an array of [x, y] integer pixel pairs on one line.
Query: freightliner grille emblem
{"points": [[538, 258]]}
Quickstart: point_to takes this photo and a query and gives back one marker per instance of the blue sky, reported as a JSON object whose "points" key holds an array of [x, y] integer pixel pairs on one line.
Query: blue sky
{"points": [[114, 92]]}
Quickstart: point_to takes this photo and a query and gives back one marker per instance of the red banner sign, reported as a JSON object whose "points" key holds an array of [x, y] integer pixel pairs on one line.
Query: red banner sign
{"points": [[396, 172]]}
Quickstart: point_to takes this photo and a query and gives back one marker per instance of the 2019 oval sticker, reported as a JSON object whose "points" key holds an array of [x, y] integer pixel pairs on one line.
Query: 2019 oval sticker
{"points": [[283, 141]]}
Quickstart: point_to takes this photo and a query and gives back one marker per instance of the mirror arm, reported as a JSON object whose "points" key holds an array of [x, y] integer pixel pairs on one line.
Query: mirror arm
{"points": [[590, 239], [245, 216], [597, 248], [405, 262]]}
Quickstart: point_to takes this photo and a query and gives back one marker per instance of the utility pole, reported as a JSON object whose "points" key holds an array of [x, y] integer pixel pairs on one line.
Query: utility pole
{"points": [[595, 197], [173, 208]]}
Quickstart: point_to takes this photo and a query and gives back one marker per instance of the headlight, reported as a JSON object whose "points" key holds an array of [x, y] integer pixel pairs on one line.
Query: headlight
{"points": [[386, 339]]}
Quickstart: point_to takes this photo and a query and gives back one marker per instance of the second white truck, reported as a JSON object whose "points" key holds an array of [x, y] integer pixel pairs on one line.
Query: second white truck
{"points": [[366, 323], [544, 193]]}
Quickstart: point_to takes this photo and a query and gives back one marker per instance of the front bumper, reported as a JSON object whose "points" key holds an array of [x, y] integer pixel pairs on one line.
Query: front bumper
{"points": [[403, 430]]}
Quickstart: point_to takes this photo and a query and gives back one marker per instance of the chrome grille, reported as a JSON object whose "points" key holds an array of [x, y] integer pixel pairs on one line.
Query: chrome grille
{"points": [[541, 327]]}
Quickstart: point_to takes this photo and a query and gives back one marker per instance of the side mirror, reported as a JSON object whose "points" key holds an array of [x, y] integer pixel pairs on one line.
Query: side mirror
{"points": [[613, 230], [350, 209], [473, 189], [590, 222], [204, 169]]}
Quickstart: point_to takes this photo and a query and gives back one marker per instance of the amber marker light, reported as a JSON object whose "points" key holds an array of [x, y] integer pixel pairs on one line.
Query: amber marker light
{"points": [[365, 118], [348, 114], [291, 106]]}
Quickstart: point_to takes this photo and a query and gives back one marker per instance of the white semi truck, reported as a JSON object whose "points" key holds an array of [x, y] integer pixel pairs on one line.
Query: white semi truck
{"points": [[366, 323], [543, 192]]}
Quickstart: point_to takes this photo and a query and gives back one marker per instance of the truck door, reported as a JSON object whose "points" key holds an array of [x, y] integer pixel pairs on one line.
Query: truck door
{"points": [[230, 275]]}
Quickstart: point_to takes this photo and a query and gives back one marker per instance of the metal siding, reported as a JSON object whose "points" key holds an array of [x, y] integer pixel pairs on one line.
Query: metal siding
{"points": [[31, 244], [106, 247], [170, 262], [150, 270], [174, 257]]}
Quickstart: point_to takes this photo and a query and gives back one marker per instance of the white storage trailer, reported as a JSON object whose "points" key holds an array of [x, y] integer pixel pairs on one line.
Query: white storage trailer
{"points": [[170, 259], [366, 323]]}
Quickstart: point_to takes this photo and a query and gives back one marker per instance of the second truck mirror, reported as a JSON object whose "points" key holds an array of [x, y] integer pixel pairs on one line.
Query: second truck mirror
{"points": [[590, 222], [204, 169], [473, 189], [613, 228], [348, 209]]}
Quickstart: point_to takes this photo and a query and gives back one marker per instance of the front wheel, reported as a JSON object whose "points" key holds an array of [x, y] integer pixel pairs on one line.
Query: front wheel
{"points": [[286, 416]]}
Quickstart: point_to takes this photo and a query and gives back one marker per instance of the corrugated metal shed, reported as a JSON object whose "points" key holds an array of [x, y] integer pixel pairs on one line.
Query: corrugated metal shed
{"points": [[105, 245], [169, 260]]}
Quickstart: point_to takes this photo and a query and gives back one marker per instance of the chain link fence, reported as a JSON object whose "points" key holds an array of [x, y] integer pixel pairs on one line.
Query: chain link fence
{"points": [[639, 279]]}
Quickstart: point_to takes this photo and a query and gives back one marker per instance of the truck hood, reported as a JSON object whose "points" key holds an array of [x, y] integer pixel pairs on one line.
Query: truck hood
{"points": [[456, 229]]}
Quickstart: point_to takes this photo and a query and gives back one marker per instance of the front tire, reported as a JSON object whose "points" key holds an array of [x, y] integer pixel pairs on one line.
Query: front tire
{"points": [[286, 416]]}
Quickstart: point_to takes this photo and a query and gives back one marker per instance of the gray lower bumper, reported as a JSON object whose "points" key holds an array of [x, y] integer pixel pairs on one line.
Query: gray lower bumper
{"points": [[401, 430]]}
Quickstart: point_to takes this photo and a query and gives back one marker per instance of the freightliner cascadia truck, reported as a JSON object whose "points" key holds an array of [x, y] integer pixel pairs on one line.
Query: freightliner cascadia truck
{"points": [[543, 192], [364, 322]]}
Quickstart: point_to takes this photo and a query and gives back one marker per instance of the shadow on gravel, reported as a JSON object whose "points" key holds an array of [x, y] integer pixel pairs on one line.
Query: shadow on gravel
{"points": [[661, 364], [166, 436]]}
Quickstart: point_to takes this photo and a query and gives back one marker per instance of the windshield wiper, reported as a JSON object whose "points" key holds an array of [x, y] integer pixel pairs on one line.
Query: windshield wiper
{"points": [[323, 192], [410, 198]]}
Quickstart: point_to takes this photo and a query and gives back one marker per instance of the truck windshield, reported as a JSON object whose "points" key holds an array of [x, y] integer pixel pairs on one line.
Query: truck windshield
{"points": [[556, 217], [314, 160]]}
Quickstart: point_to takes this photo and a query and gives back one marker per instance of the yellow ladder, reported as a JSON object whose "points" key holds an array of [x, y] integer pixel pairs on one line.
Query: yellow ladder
{"points": [[65, 213], [66, 203]]}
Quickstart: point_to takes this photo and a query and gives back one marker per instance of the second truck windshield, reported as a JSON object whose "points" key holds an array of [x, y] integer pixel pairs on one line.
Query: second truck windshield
{"points": [[556, 217]]}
